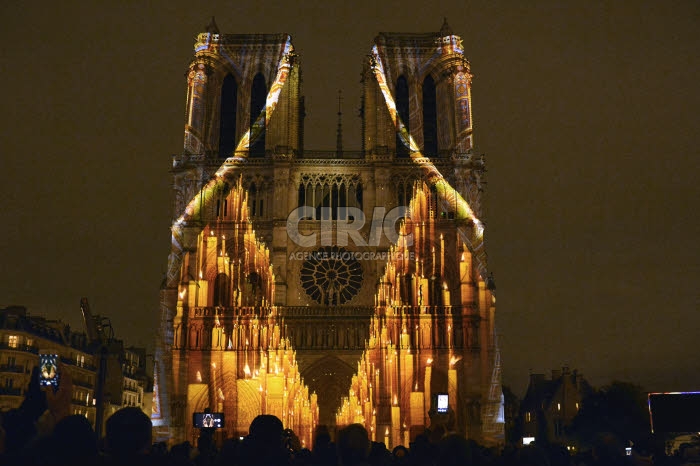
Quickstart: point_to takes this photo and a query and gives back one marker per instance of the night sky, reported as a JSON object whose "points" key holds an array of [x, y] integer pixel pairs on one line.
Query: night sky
{"points": [[586, 111]]}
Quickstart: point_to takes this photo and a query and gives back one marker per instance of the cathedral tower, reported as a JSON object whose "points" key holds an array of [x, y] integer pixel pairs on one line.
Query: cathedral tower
{"points": [[328, 286]]}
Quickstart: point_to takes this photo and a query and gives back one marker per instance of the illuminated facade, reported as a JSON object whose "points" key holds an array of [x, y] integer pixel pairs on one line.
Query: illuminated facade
{"points": [[294, 285]]}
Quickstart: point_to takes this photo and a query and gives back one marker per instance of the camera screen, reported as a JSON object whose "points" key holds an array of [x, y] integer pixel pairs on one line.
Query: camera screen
{"points": [[48, 370], [442, 402], [208, 420]]}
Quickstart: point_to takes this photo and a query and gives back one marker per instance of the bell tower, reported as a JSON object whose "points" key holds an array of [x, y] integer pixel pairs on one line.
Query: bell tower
{"points": [[220, 342], [430, 81]]}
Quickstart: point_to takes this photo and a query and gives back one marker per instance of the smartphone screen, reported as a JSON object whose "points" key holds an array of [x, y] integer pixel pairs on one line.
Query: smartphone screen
{"points": [[48, 370], [442, 402], [208, 420]]}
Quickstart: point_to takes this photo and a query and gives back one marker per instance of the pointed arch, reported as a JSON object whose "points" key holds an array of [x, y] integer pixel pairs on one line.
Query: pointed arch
{"points": [[258, 96], [302, 195], [430, 137], [403, 113], [227, 116], [331, 376]]}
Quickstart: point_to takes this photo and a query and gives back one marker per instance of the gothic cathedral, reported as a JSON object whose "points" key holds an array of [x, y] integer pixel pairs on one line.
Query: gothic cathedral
{"points": [[328, 287]]}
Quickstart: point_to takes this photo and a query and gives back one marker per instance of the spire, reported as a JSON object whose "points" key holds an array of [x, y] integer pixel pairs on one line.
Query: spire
{"points": [[445, 30], [212, 28], [339, 135]]}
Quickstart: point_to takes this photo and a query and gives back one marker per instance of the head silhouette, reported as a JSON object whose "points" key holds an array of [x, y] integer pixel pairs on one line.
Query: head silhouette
{"points": [[128, 433], [73, 440], [353, 445], [266, 428]]}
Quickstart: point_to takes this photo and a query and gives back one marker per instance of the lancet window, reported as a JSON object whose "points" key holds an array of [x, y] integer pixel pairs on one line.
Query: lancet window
{"points": [[221, 208], [430, 137], [227, 123], [258, 96], [256, 201], [403, 113]]}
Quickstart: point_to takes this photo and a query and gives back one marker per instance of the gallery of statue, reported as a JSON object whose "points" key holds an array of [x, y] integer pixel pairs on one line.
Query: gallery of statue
{"points": [[328, 287]]}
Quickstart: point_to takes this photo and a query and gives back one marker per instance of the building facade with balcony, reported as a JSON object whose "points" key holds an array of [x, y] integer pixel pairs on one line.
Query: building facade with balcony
{"points": [[22, 338], [137, 386]]}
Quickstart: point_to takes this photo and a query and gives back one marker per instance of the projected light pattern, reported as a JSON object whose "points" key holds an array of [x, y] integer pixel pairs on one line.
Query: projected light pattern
{"points": [[449, 196], [387, 369], [270, 103], [209, 279], [218, 185]]}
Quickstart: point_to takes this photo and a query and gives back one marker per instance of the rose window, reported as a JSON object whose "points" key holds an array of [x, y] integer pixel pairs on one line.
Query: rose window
{"points": [[331, 276]]}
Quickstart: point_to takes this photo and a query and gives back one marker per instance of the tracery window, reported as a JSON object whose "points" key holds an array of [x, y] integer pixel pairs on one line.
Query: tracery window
{"points": [[331, 276], [328, 195]]}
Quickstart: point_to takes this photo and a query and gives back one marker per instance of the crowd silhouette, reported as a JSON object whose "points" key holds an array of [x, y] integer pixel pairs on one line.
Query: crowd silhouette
{"points": [[41, 432]]}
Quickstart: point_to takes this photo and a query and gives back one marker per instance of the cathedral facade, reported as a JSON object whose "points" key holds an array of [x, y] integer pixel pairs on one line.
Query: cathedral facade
{"points": [[328, 287]]}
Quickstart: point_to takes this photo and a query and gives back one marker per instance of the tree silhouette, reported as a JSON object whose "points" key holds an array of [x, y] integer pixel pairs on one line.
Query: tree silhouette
{"points": [[619, 408]]}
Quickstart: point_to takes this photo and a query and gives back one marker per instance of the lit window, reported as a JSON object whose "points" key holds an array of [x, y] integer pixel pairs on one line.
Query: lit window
{"points": [[527, 416], [576, 405], [12, 341], [30, 342], [558, 406]]}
